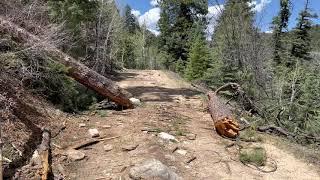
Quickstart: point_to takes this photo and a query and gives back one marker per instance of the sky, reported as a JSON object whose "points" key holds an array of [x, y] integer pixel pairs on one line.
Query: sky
{"points": [[148, 13]]}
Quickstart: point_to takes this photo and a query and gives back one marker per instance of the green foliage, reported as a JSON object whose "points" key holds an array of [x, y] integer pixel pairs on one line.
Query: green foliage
{"points": [[279, 24], [315, 38], [130, 21], [256, 156], [302, 40], [73, 12], [180, 67], [176, 22], [61, 90], [199, 58]]}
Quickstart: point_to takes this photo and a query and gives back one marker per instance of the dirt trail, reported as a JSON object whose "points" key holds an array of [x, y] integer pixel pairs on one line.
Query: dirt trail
{"points": [[169, 105]]}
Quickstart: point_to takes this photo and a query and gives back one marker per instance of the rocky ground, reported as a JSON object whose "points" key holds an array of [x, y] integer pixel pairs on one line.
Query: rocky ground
{"points": [[169, 136]]}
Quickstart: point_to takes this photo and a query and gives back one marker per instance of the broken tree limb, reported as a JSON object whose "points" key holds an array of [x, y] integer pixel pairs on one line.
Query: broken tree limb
{"points": [[275, 129], [44, 154], [76, 70], [90, 142], [222, 117]]}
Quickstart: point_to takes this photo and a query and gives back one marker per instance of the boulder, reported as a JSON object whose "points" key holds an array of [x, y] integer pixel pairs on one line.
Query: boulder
{"points": [[75, 155], [152, 169]]}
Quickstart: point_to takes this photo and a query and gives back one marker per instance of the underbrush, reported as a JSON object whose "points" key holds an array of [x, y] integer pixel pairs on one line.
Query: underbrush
{"points": [[44, 77]]}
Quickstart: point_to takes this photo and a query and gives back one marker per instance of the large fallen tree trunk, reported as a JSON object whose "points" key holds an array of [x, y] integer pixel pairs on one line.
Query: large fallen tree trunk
{"points": [[78, 71], [222, 117]]}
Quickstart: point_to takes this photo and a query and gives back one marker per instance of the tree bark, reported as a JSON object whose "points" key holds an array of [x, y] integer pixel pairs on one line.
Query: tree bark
{"points": [[223, 119], [77, 70], [44, 153]]}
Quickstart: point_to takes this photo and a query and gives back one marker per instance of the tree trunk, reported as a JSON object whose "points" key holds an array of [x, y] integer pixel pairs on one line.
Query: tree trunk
{"points": [[44, 153], [222, 117], [77, 70], [1, 169]]}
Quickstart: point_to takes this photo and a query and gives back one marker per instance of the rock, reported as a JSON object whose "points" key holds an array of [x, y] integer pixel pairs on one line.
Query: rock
{"points": [[152, 169], [191, 136], [94, 133], [166, 136], [136, 102], [82, 125], [182, 152], [75, 155], [106, 126], [108, 147], [129, 147], [85, 119]]}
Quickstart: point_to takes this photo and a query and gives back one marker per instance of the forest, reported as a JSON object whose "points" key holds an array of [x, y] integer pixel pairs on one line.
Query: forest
{"points": [[68, 53]]}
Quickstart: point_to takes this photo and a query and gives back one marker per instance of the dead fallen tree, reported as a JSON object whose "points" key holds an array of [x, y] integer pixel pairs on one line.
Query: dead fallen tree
{"points": [[44, 154], [77, 71], [223, 119]]}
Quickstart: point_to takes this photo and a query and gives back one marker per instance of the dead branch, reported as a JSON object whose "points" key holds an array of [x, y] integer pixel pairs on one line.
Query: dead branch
{"points": [[275, 129]]}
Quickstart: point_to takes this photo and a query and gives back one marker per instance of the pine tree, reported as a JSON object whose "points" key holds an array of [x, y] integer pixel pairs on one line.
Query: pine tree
{"points": [[176, 22], [231, 39], [302, 40], [199, 57], [279, 24], [130, 20]]}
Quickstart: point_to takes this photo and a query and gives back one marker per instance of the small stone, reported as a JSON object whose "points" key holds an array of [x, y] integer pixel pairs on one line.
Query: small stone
{"points": [[166, 136], [94, 133], [191, 136], [75, 155], [136, 102], [63, 158], [106, 126], [82, 125], [129, 147], [107, 147], [85, 118], [182, 152]]}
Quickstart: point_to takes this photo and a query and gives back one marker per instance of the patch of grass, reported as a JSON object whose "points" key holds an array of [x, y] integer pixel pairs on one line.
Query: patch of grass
{"points": [[250, 135], [256, 156], [178, 126], [102, 113]]}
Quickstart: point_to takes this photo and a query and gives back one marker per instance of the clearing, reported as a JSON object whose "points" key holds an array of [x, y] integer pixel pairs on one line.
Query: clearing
{"points": [[169, 105]]}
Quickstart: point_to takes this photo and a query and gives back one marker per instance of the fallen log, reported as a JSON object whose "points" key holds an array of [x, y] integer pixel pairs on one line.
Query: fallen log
{"points": [[223, 119], [76, 70], [44, 154]]}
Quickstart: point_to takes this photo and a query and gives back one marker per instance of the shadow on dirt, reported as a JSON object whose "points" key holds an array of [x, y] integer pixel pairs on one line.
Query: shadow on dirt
{"points": [[161, 94]]}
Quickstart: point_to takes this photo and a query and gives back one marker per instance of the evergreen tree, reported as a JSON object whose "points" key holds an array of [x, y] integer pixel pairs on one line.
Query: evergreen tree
{"points": [[72, 12], [231, 39], [176, 22], [279, 24], [302, 40], [130, 20], [199, 57]]}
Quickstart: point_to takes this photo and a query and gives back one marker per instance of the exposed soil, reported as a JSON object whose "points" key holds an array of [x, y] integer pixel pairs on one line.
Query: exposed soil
{"points": [[169, 105]]}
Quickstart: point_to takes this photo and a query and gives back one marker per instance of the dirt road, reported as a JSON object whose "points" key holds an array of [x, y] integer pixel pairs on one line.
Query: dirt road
{"points": [[169, 105]]}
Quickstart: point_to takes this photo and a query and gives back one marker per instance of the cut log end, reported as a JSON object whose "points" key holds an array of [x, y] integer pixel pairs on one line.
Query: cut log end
{"points": [[223, 119]]}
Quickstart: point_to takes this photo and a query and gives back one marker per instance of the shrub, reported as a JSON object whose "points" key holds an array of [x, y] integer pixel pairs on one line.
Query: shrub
{"points": [[256, 156]]}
